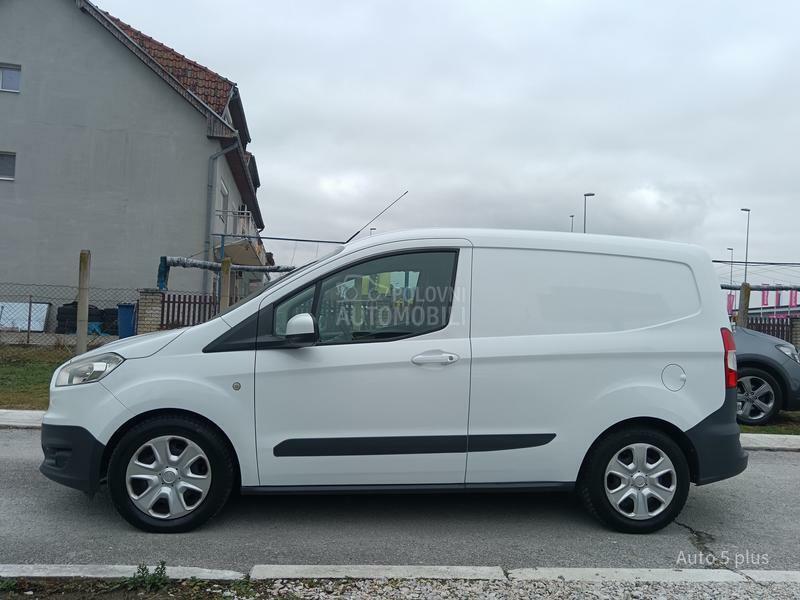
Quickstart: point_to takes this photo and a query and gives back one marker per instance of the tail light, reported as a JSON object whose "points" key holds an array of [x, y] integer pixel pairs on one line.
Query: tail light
{"points": [[730, 357]]}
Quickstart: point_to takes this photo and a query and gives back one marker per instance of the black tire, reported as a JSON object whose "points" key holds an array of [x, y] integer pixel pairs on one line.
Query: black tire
{"points": [[754, 373], [592, 484], [220, 461]]}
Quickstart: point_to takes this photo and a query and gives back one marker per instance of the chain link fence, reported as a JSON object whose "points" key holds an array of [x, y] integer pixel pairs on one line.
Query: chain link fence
{"points": [[37, 333], [46, 315], [38, 326]]}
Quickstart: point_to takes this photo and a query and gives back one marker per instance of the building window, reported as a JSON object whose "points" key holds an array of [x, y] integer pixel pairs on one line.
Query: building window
{"points": [[8, 165], [9, 78], [224, 201]]}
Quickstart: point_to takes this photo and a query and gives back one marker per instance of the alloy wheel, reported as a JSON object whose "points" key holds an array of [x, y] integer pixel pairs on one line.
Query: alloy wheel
{"points": [[755, 398], [640, 481], [168, 477]]}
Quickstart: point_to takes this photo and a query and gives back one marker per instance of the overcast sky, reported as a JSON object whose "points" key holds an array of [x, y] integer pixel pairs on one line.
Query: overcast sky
{"points": [[504, 113]]}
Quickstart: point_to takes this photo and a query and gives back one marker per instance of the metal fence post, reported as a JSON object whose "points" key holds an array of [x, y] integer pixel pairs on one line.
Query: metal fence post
{"points": [[225, 284], [744, 306], [82, 320], [30, 309]]}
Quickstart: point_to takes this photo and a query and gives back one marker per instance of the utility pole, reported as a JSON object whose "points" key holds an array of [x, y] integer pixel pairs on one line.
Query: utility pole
{"points": [[587, 195], [746, 243], [225, 284], [82, 317], [733, 303], [744, 306], [731, 249]]}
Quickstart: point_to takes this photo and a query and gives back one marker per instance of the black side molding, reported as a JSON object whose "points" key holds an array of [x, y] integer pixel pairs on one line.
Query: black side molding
{"points": [[427, 444], [427, 488], [489, 443]]}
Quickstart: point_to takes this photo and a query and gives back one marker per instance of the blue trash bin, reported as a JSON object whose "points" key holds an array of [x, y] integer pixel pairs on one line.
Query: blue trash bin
{"points": [[126, 315]]}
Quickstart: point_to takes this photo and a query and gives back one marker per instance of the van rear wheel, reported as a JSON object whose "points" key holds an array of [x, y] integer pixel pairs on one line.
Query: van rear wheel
{"points": [[635, 480], [170, 474]]}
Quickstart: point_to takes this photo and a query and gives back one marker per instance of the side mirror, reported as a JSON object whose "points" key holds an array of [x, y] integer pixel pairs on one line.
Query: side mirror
{"points": [[301, 331]]}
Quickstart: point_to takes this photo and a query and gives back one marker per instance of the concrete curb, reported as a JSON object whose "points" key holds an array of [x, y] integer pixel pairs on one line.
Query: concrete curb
{"points": [[628, 575], [21, 419], [294, 572], [374, 572], [772, 576], [770, 441], [110, 572]]}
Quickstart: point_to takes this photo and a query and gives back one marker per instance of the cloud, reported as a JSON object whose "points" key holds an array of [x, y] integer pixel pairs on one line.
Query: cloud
{"points": [[505, 113]]}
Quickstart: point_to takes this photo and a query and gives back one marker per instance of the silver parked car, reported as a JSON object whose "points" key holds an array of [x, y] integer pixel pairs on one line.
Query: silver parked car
{"points": [[769, 376]]}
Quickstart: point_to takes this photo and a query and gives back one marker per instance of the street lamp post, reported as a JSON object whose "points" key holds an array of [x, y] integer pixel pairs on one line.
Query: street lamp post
{"points": [[731, 249], [587, 195], [746, 243], [571, 223]]}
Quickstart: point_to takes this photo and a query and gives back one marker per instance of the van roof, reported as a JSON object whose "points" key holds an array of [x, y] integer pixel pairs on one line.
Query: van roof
{"points": [[544, 240]]}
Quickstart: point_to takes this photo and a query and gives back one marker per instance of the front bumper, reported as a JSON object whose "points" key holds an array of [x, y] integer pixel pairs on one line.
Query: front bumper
{"points": [[72, 457], [716, 443]]}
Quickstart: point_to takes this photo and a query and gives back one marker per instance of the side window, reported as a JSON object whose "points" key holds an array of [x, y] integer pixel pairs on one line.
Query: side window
{"points": [[301, 302], [387, 298]]}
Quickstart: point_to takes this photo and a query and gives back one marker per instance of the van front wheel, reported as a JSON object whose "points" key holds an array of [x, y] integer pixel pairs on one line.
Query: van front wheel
{"points": [[170, 474], [635, 480]]}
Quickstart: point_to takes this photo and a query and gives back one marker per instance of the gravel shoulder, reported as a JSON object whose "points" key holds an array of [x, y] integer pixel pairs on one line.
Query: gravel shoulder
{"points": [[403, 589]]}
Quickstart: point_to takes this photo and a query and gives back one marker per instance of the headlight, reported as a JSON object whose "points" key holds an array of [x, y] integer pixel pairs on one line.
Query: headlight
{"points": [[789, 351], [87, 370]]}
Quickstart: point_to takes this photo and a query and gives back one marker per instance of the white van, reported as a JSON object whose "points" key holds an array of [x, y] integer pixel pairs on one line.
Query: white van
{"points": [[446, 360]]}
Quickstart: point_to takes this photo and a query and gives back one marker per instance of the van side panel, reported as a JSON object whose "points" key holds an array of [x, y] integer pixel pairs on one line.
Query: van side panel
{"points": [[571, 343]]}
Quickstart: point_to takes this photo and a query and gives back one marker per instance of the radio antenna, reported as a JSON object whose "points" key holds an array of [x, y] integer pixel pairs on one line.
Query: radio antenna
{"points": [[371, 221], [350, 239]]}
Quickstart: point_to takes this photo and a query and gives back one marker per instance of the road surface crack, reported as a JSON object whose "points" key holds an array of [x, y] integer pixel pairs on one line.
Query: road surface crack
{"points": [[701, 540]]}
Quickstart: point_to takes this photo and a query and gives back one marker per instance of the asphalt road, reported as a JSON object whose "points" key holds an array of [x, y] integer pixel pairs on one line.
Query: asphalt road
{"points": [[755, 514]]}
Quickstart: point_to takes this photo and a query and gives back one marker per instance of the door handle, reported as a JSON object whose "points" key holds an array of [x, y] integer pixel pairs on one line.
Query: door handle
{"points": [[435, 357]]}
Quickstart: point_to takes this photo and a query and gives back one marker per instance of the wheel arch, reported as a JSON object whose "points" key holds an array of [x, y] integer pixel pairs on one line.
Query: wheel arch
{"points": [[751, 363], [132, 422], [665, 427]]}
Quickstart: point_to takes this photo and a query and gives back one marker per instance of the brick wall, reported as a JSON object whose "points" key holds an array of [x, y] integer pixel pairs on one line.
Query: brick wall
{"points": [[149, 317], [796, 332]]}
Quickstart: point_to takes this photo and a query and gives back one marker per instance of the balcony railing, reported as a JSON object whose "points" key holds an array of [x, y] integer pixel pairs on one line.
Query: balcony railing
{"points": [[235, 222], [238, 227]]}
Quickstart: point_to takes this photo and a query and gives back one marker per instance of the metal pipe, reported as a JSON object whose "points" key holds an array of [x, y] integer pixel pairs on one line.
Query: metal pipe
{"points": [[765, 287], [746, 243], [180, 261], [166, 262], [290, 239]]}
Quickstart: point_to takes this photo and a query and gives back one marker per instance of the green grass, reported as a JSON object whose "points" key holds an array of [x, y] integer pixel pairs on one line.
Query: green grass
{"points": [[25, 373], [787, 423]]}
